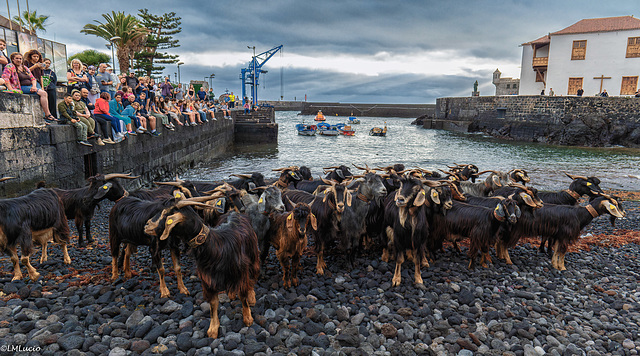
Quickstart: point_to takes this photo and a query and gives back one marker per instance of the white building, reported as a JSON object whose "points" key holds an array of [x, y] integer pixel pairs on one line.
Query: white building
{"points": [[593, 54]]}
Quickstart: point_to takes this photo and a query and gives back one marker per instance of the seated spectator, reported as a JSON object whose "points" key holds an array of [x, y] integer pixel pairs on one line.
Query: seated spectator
{"points": [[156, 110], [144, 111], [102, 112], [172, 111], [201, 111], [34, 61], [83, 114], [132, 112], [143, 87], [18, 78], [189, 111], [247, 107], [76, 77], [104, 125], [115, 110], [50, 80], [225, 110], [122, 82], [68, 116]]}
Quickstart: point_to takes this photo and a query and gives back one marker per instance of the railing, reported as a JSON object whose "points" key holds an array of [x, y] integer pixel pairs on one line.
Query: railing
{"points": [[540, 61]]}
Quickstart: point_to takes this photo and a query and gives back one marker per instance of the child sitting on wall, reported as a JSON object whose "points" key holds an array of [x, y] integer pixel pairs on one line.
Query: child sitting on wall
{"points": [[68, 116]]}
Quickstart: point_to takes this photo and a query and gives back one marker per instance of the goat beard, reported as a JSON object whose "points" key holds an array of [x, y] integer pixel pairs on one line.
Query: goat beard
{"points": [[403, 213]]}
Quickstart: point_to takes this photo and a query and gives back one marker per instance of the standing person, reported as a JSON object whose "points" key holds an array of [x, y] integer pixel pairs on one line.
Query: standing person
{"points": [[542, 92], [191, 94], [68, 116], [133, 82], [179, 95], [34, 61], [4, 59], [114, 82], [76, 77], [50, 80], [580, 92], [232, 101], [212, 97], [102, 112], [18, 77], [604, 93], [92, 84], [166, 88], [202, 95], [551, 92], [638, 93], [103, 78]]}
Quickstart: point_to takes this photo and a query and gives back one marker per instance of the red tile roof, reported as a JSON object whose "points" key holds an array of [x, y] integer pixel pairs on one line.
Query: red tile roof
{"points": [[604, 24], [542, 40]]}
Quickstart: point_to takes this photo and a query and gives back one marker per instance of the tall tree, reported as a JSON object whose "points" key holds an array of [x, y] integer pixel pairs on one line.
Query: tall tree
{"points": [[160, 38], [32, 21], [126, 27], [91, 57]]}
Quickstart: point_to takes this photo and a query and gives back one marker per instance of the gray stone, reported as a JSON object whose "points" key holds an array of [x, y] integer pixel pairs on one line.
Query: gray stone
{"points": [[357, 319], [170, 306], [118, 351], [134, 318], [71, 341]]}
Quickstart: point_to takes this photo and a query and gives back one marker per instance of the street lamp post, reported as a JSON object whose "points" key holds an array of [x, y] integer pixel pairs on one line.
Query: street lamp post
{"points": [[254, 90], [179, 64], [113, 57]]}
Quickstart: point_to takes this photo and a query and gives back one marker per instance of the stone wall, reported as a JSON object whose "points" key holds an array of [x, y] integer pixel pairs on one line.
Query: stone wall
{"points": [[368, 110], [50, 153], [580, 121]]}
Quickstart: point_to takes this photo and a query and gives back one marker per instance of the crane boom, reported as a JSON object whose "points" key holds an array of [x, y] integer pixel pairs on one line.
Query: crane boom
{"points": [[251, 74]]}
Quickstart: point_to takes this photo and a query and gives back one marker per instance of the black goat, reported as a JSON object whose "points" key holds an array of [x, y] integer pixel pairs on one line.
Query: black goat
{"points": [[305, 173], [370, 191], [80, 204], [337, 173], [561, 224], [127, 221], [226, 256], [38, 216], [328, 212], [258, 211], [288, 176]]}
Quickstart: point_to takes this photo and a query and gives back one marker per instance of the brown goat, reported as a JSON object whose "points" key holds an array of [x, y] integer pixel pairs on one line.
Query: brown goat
{"points": [[288, 235]]}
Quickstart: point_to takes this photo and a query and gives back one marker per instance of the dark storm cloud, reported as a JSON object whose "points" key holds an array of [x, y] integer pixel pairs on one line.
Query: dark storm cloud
{"points": [[489, 31]]}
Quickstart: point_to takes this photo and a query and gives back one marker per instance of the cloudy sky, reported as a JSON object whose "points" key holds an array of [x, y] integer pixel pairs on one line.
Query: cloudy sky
{"points": [[367, 51]]}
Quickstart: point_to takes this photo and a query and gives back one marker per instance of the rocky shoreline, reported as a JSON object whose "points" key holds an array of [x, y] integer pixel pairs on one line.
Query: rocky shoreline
{"points": [[528, 308]]}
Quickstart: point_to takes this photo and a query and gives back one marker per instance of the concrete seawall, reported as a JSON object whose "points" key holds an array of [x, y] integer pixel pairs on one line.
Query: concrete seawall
{"points": [[32, 151], [361, 110], [574, 121]]}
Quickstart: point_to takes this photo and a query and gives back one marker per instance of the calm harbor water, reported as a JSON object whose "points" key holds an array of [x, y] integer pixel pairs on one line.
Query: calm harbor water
{"points": [[618, 168]]}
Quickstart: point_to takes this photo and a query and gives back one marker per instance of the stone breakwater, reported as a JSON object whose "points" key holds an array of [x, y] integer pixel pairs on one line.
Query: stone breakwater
{"points": [[528, 308], [564, 120]]}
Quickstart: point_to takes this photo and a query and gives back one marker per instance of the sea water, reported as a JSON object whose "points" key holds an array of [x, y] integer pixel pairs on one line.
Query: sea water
{"points": [[618, 168]]}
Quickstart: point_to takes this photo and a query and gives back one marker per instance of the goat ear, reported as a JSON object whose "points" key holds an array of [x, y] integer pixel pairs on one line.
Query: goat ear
{"points": [[496, 181], [349, 197], [435, 197], [152, 224], [290, 220], [340, 173], [103, 190], [420, 198], [528, 200], [252, 186], [499, 211], [612, 209], [314, 221], [171, 222], [518, 212], [220, 205]]}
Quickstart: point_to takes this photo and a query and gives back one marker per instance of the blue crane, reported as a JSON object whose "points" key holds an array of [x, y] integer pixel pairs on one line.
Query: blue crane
{"points": [[251, 74]]}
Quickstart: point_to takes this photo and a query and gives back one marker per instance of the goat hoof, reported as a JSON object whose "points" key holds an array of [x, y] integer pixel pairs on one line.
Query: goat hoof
{"points": [[395, 282], [320, 271], [294, 282], [421, 286], [248, 321], [16, 278], [34, 277], [212, 333], [184, 291]]}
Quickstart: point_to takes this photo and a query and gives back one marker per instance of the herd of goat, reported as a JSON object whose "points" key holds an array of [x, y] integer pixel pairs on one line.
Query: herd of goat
{"points": [[230, 226]]}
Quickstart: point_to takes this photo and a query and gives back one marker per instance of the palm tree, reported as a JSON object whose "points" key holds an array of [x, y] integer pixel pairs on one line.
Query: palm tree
{"points": [[32, 21], [125, 27]]}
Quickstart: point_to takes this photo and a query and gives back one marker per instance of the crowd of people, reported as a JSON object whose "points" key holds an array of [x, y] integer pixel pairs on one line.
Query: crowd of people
{"points": [[106, 107]]}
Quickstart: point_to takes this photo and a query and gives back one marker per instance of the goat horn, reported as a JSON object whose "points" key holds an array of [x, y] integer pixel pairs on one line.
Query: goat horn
{"points": [[329, 182], [5, 178], [358, 176], [487, 171], [185, 202], [290, 168], [179, 180], [241, 175], [206, 198], [430, 183], [360, 168], [335, 167], [447, 173], [119, 175], [574, 177], [173, 184]]}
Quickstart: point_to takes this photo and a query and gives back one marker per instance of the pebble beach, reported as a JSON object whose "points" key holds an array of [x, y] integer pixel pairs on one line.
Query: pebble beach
{"points": [[527, 308]]}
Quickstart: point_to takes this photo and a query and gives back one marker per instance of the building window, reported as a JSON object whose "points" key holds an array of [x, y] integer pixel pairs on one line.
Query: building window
{"points": [[515, 86], [574, 85], [629, 85], [508, 86], [579, 50], [633, 47]]}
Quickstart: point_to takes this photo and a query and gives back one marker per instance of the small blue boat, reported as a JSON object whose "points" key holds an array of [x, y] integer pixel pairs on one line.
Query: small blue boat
{"points": [[345, 130], [327, 130], [353, 120], [306, 130]]}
